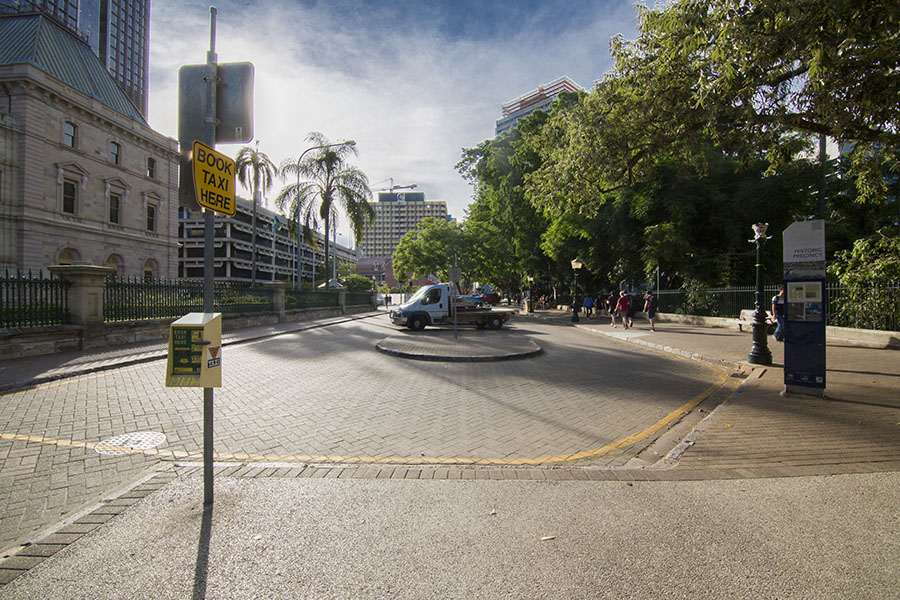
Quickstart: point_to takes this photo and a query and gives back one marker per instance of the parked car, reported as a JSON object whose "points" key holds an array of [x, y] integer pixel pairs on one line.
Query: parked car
{"points": [[467, 302], [490, 297]]}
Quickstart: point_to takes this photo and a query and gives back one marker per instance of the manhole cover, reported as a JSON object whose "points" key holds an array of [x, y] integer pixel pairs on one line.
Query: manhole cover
{"points": [[129, 442]]}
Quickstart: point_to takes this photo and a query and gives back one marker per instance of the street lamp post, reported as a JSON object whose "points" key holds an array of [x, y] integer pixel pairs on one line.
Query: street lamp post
{"points": [[576, 265], [759, 352], [530, 294], [300, 158]]}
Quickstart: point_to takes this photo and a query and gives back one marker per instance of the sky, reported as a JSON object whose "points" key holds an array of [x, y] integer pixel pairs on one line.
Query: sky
{"points": [[413, 82]]}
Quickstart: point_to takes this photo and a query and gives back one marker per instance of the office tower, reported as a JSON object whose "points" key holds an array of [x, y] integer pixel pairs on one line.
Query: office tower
{"points": [[118, 32], [395, 214]]}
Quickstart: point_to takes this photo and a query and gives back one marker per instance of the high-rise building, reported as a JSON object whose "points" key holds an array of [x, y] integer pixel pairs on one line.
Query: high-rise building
{"points": [[395, 214], [118, 32], [538, 99]]}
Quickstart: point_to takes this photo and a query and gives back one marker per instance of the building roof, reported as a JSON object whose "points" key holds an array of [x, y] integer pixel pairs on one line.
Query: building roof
{"points": [[38, 41], [548, 90]]}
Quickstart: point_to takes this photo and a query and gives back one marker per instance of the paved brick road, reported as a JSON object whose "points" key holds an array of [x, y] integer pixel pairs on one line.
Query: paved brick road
{"points": [[327, 395]]}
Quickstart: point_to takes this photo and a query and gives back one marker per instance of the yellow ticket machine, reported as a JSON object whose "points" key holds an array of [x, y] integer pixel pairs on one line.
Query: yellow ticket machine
{"points": [[195, 351]]}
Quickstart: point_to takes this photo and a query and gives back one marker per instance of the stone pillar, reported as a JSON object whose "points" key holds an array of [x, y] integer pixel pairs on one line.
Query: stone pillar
{"points": [[342, 295], [278, 289], [86, 285]]}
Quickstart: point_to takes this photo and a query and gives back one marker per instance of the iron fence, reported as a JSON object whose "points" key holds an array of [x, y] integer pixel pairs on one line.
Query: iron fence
{"points": [[27, 300], [134, 299], [358, 299], [312, 299], [858, 307]]}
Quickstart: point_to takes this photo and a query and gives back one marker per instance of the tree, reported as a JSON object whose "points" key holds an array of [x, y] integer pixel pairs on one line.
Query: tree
{"points": [[765, 73], [428, 250], [254, 168], [870, 272], [357, 283], [326, 182]]}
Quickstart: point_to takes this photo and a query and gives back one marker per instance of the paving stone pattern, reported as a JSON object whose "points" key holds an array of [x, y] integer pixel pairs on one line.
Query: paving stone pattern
{"points": [[327, 395]]}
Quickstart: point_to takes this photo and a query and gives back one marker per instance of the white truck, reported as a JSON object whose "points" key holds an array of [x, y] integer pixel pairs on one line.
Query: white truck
{"points": [[430, 305]]}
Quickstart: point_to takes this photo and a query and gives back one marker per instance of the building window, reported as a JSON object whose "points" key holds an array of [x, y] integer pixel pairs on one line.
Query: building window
{"points": [[115, 153], [70, 132], [70, 196], [151, 167], [114, 261], [67, 256], [149, 270], [151, 217], [115, 205]]}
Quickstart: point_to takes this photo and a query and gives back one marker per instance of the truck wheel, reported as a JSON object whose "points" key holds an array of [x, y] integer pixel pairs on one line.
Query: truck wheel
{"points": [[494, 322], [417, 323]]}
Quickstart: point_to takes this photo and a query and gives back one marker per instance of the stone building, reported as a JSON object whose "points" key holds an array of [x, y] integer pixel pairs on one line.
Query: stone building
{"points": [[83, 177]]}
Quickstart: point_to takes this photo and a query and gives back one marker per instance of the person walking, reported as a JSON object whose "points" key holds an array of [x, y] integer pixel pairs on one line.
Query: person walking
{"points": [[651, 304], [778, 312], [622, 309], [611, 307], [632, 307], [588, 306]]}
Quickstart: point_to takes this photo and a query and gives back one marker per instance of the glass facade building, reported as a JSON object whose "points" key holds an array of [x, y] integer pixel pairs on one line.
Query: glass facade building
{"points": [[118, 32]]}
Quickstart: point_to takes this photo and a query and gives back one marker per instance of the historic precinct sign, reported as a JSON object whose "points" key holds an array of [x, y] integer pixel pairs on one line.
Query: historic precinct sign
{"points": [[804, 250], [213, 179], [804, 319]]}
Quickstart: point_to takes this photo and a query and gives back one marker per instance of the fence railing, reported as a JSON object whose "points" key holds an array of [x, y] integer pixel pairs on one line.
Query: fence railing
{"points": [[27, 300], [311, 298], [137, 299], [858, 307], [358, 298]]}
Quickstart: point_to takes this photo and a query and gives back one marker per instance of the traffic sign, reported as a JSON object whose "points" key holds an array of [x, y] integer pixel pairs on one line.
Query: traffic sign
{"points": [[213, 179]]}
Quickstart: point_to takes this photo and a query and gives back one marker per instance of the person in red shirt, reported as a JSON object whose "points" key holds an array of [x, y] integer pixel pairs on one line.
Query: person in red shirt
{"points": [[622, 309]]}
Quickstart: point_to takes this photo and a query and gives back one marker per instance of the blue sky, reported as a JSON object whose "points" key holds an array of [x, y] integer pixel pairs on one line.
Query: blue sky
{"points": [[413, 82]]}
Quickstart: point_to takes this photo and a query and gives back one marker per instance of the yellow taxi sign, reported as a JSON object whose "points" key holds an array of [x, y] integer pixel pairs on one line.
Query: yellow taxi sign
{"points": [[213, 179]]}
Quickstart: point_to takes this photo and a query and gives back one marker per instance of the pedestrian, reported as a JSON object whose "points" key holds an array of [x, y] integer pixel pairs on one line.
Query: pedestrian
{"points": [[778, 312], [611, 307], [588, 306], [651, 305], [622, 309], [631, 309]]}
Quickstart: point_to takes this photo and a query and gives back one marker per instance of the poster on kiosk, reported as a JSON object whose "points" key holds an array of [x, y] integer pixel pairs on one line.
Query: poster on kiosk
{"points": [[804, 326]]}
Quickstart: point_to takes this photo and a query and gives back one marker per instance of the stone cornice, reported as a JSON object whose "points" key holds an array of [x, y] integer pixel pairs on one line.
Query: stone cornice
{"points": [[50, 90], [94, 229]]}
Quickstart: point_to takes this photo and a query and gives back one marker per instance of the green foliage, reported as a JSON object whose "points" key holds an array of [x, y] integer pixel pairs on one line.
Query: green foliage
{"points": [[429, 250], [704, 126], [357, 283], [870, 272]]}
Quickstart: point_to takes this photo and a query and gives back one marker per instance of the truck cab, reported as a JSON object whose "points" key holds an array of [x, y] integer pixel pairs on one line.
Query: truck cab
{"points": [[430, 304]]}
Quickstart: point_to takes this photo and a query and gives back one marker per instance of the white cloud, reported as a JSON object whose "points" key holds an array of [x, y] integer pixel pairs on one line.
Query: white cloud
{"points": [[411, 94]]}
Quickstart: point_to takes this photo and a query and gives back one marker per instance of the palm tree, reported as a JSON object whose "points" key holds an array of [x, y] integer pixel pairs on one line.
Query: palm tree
{"points": [[254, 167], [325, 182]]}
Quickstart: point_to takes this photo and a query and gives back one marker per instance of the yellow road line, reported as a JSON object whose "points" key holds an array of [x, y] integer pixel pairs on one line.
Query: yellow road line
{"points": [[406, 460]]}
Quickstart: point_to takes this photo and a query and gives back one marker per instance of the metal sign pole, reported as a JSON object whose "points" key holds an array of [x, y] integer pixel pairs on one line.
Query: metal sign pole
{"points": [[209, 229]]}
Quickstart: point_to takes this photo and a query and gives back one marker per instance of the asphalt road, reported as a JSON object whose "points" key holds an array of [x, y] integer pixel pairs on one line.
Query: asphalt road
{"points": [[327, 395], [810, 538]]}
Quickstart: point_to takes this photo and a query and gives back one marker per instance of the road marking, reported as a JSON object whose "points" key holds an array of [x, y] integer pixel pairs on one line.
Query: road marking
{"points": [[634, 438]]}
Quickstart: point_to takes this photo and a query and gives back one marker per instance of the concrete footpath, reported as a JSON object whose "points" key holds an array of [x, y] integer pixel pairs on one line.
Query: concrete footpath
{"points": [[766, 496]]}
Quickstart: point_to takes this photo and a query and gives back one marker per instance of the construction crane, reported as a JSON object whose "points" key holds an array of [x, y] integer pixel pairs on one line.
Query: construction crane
{"points": [[393, 187]]}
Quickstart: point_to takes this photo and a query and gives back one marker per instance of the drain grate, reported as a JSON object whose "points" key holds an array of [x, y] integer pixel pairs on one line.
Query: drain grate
{"points": [[130, 442]]}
